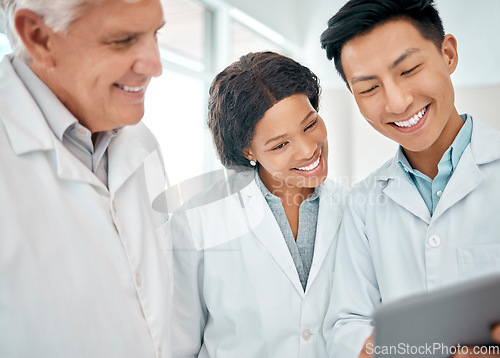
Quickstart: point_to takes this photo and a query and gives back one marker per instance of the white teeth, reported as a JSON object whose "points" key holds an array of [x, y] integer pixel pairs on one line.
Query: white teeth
{"points": [[413, 120], [312, 166], [131, 89]]}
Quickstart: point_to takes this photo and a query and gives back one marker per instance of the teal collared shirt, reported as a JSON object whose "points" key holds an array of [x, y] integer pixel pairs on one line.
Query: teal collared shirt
{"points": [[431, 190]]}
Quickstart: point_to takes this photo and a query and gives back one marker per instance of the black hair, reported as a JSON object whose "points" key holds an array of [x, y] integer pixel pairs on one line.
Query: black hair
{"points": [[244, 91], [358, 17]]}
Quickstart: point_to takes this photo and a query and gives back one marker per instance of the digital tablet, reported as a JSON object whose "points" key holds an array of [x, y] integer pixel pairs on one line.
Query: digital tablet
{"points": [[439, 323]]}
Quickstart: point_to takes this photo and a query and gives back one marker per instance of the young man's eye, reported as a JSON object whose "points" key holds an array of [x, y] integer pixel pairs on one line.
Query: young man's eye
{"points": [[368, 90], [279, 146], [409, 71], [312, 124]]}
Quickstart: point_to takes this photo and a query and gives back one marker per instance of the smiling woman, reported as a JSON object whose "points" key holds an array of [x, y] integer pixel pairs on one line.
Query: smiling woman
{"points": [[252, 255]]}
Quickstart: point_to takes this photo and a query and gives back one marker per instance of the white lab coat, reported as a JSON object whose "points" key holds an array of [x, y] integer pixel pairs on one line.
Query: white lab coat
{"points": [[83, 269], [390, 247], [237, 292]]}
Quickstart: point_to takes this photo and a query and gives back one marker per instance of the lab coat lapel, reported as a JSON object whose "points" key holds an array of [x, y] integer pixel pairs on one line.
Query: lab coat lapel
{"points": [[402, 191], [125, 155], [263, 225], [465, 179], [28, 130], [484, 148], [326, 229]]}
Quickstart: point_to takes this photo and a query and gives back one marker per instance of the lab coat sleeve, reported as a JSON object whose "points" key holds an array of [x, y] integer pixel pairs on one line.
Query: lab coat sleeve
{"points": [[189, 309], [355, 290]]}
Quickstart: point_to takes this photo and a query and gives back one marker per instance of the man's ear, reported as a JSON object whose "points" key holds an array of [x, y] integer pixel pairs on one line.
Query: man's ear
{"points": [[450, 52], [35, 35]]}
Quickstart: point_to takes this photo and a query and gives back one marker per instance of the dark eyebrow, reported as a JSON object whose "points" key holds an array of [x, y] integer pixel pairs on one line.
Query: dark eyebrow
{"points": [[283, 135], [307, 116], [361, 78], [396, 62], [404, 55]]}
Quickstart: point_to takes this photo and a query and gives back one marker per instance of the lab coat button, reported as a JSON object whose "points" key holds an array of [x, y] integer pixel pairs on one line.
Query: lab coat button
{"points": [[434, 241], [306, 334], [81, 132], [439, 193]]}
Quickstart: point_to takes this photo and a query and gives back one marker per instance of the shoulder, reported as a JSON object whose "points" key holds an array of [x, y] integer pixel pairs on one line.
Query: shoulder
{"points": [[217, 213], [485, 143], [333, 192], [376, 180], [213, 192]]}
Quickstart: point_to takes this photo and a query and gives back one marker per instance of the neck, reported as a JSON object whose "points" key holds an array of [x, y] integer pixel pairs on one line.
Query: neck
{"points": [[290, 195], [426, 161]]}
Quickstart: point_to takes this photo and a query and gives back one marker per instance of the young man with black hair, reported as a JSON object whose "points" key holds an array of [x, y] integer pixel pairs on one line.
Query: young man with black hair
{"points": [[427, 218]]}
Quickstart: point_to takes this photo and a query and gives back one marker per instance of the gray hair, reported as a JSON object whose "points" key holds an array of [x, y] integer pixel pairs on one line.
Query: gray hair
{"points": [[57, 14]]}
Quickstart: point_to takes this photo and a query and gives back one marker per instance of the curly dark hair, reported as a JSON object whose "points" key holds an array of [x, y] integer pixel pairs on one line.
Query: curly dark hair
{"points": [[244, 91], [358, 17]]}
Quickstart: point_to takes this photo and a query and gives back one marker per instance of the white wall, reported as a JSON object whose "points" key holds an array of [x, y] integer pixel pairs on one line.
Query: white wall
{"points": [[279, 15]]}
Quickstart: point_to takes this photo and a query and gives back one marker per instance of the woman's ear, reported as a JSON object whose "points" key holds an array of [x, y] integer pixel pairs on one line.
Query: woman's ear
{"points": [[35, 35], [247, 153]]}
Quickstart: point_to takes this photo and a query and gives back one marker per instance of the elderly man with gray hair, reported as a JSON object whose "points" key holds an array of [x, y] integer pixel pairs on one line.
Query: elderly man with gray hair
{"points": [[84, 270]]}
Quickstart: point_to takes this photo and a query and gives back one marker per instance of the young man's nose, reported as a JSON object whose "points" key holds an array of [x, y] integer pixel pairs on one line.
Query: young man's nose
{"points": [[397, 98]]}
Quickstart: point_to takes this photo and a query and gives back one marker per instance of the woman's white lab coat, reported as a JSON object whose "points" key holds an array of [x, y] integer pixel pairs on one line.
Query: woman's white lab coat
{"points": [[236, 289]]}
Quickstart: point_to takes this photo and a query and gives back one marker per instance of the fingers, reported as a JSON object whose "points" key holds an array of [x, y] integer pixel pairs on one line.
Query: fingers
{"points": [[495, 333], [364, 352]]}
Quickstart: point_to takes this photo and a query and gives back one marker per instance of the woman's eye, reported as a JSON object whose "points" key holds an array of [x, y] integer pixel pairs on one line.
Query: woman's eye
{"points": [[279, 146], [313, 123]]}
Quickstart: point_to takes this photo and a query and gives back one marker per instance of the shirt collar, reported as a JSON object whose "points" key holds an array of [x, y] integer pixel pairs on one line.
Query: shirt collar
{"points": [[267, 194], [57, 115]]}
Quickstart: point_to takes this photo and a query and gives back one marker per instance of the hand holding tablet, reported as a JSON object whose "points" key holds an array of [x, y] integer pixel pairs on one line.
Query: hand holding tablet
{"points": [[449, 321]]}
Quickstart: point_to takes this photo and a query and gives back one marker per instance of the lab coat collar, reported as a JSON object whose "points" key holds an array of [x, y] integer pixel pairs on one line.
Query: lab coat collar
{"points": [[126, 153], [28, 131], [400, 189], [262, 223], [331, 199], [22, 119], [484, 148], [485, 143]]}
